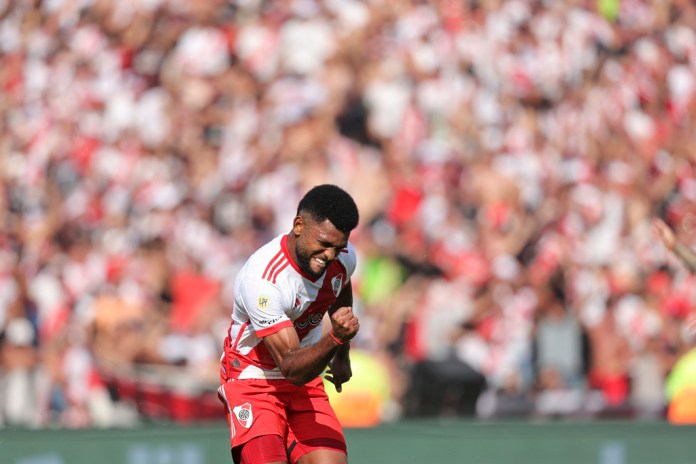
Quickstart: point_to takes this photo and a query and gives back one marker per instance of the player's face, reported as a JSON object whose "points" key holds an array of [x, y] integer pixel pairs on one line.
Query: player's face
{"points": [[317, 244]]}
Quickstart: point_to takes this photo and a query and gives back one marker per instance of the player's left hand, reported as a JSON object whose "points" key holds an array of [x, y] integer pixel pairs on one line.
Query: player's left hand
{"points": [[339, 372]]}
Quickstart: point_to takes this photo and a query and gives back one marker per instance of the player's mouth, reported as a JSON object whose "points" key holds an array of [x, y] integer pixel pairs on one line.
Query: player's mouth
{"points": [[319, 262]]}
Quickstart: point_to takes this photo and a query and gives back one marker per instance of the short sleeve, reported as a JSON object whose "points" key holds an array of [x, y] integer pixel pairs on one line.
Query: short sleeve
{"points": [[348, 258], [265, 305]]}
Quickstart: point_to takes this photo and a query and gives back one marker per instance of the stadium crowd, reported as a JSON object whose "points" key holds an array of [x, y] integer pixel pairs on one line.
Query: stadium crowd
{"points": [[507, 157]]}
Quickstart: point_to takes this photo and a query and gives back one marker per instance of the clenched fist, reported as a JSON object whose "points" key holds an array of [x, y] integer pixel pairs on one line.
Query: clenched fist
{"points": [[344, 324]]}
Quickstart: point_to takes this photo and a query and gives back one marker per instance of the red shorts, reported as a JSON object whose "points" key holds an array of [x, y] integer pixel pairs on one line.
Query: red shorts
{"points": [[301, 415]]}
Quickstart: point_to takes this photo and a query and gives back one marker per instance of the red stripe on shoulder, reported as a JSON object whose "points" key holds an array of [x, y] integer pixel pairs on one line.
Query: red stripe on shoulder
{"points": [[271, 263], [280, 264], [275, 274]]}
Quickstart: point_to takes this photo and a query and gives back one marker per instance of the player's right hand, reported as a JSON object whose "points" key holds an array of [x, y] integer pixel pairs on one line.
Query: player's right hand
{"points": [[344, 324]]}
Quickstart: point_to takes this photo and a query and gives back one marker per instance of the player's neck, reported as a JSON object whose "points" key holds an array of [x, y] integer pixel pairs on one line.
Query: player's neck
{"points": [[292, 250]]}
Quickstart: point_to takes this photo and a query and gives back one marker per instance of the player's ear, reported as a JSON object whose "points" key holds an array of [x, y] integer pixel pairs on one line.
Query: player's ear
{"points": [[297, 225]]}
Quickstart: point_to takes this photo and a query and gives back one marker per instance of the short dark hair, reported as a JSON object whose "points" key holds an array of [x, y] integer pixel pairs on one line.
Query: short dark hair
{"points": [[333, 203]]}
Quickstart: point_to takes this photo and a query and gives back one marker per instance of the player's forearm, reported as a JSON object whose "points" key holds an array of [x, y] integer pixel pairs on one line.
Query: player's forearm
{"points": [[305, 364], [343, 350], [687, 256]]}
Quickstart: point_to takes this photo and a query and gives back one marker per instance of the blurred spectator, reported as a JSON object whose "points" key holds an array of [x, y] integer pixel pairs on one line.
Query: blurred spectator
{"points": [[560, 349], [19, 386], [149, 147], [663, 232]]}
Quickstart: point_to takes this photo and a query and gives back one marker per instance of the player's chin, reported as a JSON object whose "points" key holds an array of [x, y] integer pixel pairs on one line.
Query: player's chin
{"points": [[317, 268], [311, 270], [315, 274]]}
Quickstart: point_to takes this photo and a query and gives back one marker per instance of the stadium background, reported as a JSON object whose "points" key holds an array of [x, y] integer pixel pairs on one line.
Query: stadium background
{"points": [[507, 157]]}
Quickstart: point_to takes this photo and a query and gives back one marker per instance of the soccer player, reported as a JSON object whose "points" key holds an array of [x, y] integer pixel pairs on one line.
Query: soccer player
{"points": [[276, 350]]}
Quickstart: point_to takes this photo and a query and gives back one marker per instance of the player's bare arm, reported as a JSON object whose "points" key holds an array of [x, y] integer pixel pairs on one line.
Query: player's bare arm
{"points": [[300, 365], [687, 256], [666, 235]]}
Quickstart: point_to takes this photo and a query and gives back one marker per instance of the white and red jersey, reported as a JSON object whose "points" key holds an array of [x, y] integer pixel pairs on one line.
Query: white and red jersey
{"points": [[270, 293]]}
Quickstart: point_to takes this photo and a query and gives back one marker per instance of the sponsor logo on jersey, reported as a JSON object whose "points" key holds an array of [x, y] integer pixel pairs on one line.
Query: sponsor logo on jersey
{"points": [[337, 284], [263, 302], [313, 319], [244, 415], [269, 321]]}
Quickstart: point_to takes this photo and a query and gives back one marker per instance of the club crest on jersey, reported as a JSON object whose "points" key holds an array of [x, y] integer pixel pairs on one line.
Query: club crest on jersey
{"points": [[337, 284], [244, 415], [262, 302]]}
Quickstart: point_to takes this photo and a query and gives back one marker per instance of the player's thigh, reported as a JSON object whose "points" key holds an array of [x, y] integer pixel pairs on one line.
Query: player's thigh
{"points": [[252, 410], [323, 456], [266, 449], [313, 428]]}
